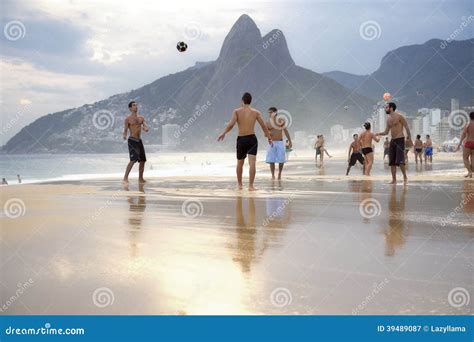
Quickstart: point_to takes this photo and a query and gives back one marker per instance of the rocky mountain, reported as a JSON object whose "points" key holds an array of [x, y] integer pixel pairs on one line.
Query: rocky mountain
{"points": [[426, 75], [200, 100]]}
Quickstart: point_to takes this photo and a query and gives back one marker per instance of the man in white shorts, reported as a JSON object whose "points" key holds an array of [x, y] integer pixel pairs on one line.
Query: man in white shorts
{"points": [[276, 152]]}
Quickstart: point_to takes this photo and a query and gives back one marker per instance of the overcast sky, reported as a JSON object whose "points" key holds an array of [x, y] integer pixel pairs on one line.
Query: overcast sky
{"points": [[58, 54]]}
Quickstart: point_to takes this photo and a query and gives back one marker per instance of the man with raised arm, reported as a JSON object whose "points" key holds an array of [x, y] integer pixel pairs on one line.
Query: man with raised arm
{"points": [[247, 143], [396, 122]]}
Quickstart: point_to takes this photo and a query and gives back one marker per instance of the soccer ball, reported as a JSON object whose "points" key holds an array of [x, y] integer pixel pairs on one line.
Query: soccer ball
{"points": [[387, 96], [346, 107], [181, 46]]}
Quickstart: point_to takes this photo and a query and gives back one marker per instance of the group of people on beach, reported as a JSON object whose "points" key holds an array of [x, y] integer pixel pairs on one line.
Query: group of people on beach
{"points": [[274, 129], [5, 182]]}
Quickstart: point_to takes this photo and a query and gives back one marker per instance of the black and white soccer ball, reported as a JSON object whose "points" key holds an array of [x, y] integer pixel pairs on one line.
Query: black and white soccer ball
{"points": [[181, 46]]}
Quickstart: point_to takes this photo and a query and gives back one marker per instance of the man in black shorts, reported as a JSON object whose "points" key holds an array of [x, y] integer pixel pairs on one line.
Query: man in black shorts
{"points": [[355, 156], [396, 123], [133, 124], [247, 143]]}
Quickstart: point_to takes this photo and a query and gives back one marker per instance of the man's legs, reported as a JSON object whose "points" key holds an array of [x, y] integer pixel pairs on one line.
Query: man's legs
{"points": [[272, 169], [141, 168], [252, 170], [370, 160], [280, 169], [393, 169], [127, 171], [466, 153], [239, 169], [404, 171]]}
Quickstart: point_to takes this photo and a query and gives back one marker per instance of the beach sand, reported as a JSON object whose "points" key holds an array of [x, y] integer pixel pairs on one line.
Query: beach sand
{"points": [[317, 242]]}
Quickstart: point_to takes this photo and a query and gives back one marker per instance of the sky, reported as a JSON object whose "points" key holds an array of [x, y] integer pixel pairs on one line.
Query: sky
{"points": [[58, 54]]}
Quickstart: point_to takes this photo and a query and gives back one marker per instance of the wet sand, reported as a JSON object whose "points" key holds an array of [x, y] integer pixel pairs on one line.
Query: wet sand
{"points": [[317, 242]]}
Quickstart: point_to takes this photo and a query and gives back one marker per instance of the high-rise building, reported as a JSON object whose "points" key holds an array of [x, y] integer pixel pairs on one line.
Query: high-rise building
{"points": [[435, 116], [336, 132], [170, 136], [381, 120], [454, 105]]}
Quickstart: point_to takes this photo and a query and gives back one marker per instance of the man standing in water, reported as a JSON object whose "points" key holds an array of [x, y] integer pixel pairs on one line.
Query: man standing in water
{"points": [[356, 154], [247, 143], [365, 141], [428, 149], [276, 153], [134, 123], [467, 137], [395, 125]]}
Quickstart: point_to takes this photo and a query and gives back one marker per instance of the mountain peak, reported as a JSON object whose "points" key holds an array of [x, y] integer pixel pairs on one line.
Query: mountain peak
{"points": [[244, 33]]}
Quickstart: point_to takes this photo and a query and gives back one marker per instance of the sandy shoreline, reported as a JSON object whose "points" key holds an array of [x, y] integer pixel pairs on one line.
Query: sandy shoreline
{"points": [[312, 244]]}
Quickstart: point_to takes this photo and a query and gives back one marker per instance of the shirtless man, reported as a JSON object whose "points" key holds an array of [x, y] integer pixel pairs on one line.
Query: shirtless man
{"points": [[365, 140], [356, 154], [395, 125], [247, 143], [276, 153], [134, 123], [320, 149], [418, 149], [386, 145], [467, 136], [428, 149]]}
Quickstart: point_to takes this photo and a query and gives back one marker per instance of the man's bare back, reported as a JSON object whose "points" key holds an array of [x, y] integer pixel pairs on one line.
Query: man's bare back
{"points": [[365, 139], [246, 118], [470, 131]]}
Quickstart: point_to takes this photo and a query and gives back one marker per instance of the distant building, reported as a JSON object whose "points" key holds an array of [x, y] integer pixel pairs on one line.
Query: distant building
{"points": [[170, 138], [381, 120], [426, 125], [336, 132], [454, 105], [435, 116]]}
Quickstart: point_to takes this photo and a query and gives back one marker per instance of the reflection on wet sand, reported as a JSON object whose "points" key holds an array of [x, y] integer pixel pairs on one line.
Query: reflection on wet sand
{"points": [[468, 196], [137, 206], [394, 233], [254, 235]]}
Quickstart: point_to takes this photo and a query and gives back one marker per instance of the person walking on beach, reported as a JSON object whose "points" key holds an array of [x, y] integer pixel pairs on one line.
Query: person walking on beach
{"points": [[355, 154], [19, 179], [386, 145], [365, 140], [467, 137], [247, 143], [418, 149], [133, 125], [428, 149], [4, 181], [276, 152], [395, 125], [320, 149]]}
